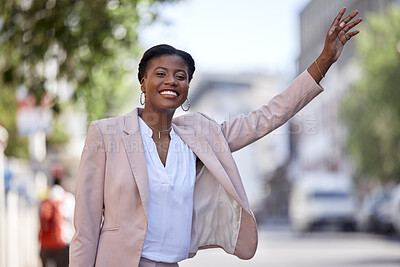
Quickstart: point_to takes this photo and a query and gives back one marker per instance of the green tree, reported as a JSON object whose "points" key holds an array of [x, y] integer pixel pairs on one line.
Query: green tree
{"points": [[60, 47], [371, 110]]}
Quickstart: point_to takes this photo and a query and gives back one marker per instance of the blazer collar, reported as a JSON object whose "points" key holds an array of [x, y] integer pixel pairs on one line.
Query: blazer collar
{"points": [[131, 122]]}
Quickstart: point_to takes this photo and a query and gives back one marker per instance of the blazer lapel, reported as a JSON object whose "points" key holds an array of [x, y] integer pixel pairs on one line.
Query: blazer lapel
{"points": [[137, 159], [205, 153]]}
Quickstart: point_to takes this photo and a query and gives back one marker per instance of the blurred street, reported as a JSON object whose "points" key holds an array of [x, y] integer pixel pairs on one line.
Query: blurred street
{"points": [[283, 248], [65, 64]]}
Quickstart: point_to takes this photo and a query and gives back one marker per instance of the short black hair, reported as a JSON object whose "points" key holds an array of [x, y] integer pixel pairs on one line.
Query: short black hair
{"points": [[161, 50]]}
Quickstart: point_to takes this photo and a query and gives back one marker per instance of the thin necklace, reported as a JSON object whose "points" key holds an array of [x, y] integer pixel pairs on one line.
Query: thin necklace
{"points": [[159, 132]]}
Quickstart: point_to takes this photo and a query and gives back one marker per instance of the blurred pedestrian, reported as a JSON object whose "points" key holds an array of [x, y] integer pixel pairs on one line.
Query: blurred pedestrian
{"points": [[56, 222], [152, 190]]}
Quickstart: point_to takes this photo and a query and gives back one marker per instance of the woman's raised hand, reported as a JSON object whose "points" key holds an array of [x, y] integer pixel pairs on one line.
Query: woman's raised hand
{"points": [[338, 35]]}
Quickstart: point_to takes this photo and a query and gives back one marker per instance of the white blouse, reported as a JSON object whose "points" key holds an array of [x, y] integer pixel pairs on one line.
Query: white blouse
{"points": [[170, 198]]}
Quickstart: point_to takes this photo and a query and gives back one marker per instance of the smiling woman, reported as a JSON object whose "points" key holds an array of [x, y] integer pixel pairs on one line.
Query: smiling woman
{"points": [[175, 187]]}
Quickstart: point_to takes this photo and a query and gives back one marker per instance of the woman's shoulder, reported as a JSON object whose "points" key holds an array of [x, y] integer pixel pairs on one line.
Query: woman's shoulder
{"points": [[109, 124], [197, 118], [110, 120], [196, 124]]}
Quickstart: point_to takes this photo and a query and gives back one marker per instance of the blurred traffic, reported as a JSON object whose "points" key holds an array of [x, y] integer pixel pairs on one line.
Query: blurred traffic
{"points": [[329, 177]]}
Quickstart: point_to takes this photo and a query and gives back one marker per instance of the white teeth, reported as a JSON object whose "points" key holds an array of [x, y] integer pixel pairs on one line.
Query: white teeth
{"points": [[168, 93]]}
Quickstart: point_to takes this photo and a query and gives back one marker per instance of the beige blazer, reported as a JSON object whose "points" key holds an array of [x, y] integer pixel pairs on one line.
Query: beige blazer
{"points": [[112, 184]]}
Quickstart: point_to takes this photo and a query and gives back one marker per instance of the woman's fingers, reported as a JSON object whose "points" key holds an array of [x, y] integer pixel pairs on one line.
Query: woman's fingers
{"points": [[337, 27], [351, 34], [351, 25], [338, 17], [351, 16]]}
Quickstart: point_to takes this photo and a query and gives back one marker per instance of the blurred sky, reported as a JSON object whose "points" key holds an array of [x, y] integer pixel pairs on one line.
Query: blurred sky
{"points": [[232, 35]]}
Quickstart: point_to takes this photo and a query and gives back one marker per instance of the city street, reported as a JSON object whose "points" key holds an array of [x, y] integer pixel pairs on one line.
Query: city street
{"points": [[282, 248]]}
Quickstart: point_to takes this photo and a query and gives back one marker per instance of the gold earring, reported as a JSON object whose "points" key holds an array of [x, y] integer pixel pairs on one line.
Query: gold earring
{"points": [[187, 99], [141, 98]]}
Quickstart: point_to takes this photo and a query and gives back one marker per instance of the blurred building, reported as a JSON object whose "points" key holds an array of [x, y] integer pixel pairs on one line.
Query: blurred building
{"points": [[222, 96], [317, 135]]}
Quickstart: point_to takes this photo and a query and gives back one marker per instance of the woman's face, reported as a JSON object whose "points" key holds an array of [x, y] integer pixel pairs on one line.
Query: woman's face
{"points": [[165, 83]]}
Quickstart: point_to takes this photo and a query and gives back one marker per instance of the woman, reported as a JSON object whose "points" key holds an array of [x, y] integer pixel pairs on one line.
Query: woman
{"points": [[152, 190]]}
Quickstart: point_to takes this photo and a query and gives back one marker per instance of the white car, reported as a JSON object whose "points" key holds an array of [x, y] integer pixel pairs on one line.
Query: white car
{"points": [[319, 199]]}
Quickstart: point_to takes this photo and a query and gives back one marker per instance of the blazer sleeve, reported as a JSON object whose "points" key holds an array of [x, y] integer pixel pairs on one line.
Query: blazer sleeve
{"points": [[242, 130], [89, 200]]}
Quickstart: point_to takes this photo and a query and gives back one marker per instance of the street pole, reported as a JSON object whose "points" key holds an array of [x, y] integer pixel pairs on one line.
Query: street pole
{"points": [[3, 144]]}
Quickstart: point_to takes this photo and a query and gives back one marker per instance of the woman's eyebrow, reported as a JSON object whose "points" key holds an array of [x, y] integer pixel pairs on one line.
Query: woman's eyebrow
{"points": [[160, 68], [167, 69]]}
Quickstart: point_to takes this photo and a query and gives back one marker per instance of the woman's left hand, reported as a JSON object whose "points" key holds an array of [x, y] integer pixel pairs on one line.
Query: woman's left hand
{"points": [[338, 35]]}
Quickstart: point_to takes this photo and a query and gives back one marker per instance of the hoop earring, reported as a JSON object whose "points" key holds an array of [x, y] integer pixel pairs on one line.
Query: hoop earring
{"points": [[141, 98], [187, 99]]}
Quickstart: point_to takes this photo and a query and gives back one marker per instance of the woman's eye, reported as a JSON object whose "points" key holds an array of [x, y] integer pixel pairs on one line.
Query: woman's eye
{"points": [[160, 74], [180, 77]]}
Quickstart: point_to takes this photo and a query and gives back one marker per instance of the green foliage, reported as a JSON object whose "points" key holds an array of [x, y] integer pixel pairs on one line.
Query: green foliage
{"points": [[58, 134], [76, 47], [371, 110], [8, 109]]}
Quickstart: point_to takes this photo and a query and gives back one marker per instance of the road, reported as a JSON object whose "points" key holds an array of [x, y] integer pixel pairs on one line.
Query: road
{"points": [[283, 248]]}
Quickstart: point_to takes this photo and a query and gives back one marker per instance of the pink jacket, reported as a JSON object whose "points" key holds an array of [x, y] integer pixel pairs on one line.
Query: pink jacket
{"points": [[112, 182]]}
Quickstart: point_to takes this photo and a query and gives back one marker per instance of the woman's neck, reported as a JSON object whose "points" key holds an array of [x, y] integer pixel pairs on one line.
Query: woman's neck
{"points": [[159, 121]]}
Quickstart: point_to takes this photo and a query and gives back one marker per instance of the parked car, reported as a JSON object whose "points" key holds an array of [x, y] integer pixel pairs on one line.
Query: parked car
{"points": [[375, 213], [395, 208], [368, 219], [320, 199]]}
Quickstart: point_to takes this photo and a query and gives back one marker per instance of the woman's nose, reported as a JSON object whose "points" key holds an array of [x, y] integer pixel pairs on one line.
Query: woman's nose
{"points": [[170, 80]]}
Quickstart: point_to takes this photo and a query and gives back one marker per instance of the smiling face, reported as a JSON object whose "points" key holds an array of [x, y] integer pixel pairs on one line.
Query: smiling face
{"points": [[165, 84]]}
